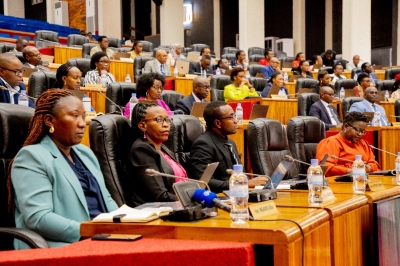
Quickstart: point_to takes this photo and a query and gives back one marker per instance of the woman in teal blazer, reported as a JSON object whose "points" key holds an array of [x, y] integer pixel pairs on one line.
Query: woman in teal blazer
{"points": [[57, 183]]}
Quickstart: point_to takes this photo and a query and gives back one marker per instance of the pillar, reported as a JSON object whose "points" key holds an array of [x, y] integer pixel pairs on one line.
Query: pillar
{"points": [[251, 24], [110, 18], [328, 25], [171, 22], [217, 29], [15, 8], [153, 18], [299, 26]]}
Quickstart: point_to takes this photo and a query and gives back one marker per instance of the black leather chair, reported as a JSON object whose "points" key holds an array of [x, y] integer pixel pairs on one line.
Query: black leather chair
{"points": [[355, 71], [347, 102], [82, 63], [345, 83], [114, 42], [8, 47], [383, 85], [147, 46], [171, 98], [77, 40], [304, 133], [120, 93], [255, 50], [228, 56], [390, 73], [397, 110], [217, 84], [343, 62], [45, 38], [304, 101], [39, 82], [280, 54], [258, 83], [111, 140], [123, 49], [20, 57], [229, 50], [254, 69], [198, 46], [286, 60], [86, 47], [185, 129], [255, 58], [307, 83], [328, 68], [14, 120], [267, 145], [138, 65]]}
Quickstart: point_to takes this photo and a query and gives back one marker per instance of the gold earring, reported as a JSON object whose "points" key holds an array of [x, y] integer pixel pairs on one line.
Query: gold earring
{"points": [[51, 130]]}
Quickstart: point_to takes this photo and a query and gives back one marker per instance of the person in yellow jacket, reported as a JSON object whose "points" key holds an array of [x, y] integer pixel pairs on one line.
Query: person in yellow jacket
{"points": [[240, 88]]}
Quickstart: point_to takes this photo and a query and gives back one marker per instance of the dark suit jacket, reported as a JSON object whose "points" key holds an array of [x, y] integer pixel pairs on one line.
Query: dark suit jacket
{"points": [[5, 95], [196, 68], [318, 110], [209, 148], [146, 188], [185, 104]]}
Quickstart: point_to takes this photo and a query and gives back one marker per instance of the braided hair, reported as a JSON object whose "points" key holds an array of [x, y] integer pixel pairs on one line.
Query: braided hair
{"points": [[62, 71], [37, 129], [138, 113]]}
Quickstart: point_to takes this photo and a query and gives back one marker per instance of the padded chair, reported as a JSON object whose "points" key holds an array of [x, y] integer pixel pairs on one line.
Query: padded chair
{"points": [[218, 84], [255, 50], [138, 65], [255, 58], [258, 83], [114, 42], [171, 98], [39, 82], [228, 56], [345, 83], [86, 47], [280, 54], [229, 50], [343, 62], [147, 46], [327, 68], [8, 47], [120, 93], [305, 100], [383, 85], [347, 102], [45, 38], [267, 145], [307, 83], [397, 110], [185, 129], [82, 63], [390, 73], [355, 71], [124, 49], [254, 69], [285, 60], [76, 40], [111, 140], [304, 133], [14, 120], [198, 46], [20, 57]]}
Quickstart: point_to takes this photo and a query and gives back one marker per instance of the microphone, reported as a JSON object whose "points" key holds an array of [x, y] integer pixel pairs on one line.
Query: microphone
{"points": [[383, 150], [290, 158], [230, 171], [119, 107], [343, 159], [16, 92], [394, 115]]}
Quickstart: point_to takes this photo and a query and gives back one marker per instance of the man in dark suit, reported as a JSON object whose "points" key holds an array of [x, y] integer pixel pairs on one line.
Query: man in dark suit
{"points": [[33, 58], [324, 111], [201, 88], [201, 67], [215, 146]]}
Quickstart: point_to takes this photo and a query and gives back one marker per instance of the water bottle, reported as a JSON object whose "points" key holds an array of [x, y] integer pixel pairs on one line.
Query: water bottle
{"points": [[128, 78], [359, 177], [386, 96], [218, 72], [239, 194], [23, 99], [341, 94], [132, 102], [239, 114], [176, 71], [247, 76], [376, 122], [103, 79], [315, 179], [285, 77], [397, 163]]}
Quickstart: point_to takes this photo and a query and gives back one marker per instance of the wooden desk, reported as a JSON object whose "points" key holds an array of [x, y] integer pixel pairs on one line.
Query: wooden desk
{"points": [[388, 140], [389, 110], [285, 236], [98, 99], [281, 109], [63, 53], [119, 69]]}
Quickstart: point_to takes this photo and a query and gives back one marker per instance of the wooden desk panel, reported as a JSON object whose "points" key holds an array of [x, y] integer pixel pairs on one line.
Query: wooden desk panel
{"points": [[85, 140], [98, 100], [119, 69], [389, 140], [389, 110], [63, 53], [281, 109], [239, 139]]}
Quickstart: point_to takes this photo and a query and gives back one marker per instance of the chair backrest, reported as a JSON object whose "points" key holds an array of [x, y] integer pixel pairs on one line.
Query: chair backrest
{"points": [[326, 68], [77, 40], [14, 121], [397, 110], [82, 63], [255, 57], [171, 98], [390, 73], [198, 46], [345, 83], [45, 38], [2, 48], [123, 49], [39, 82], [218, 84], [286, 59], [343, 62], [258, 83], [347, 102], [267, 145], [114, 42], [305, 100], [8, 47], [254, 69], [120, 93], [159, 48], [383, 85], [280, 54], [355, 71], [147, 46], [185, 129], [20, 57], [86, 47], [111, 140], [229, 50], [255, 50], [307, 83], [228, 56], [304, 133], [138, 65]]}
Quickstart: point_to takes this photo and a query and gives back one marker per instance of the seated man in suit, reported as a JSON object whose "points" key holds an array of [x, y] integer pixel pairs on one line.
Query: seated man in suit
{"points": [[203, 67], [102, 47], [11, 78], [215, 146], [223, 65], [33, 58], [354, 64], [324, 111], [367, 68], [369, 105], [201, 88], [158, 65], [20, 44], [271, 68]]}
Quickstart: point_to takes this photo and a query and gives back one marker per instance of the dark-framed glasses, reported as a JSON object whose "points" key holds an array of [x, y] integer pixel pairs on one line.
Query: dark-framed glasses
{"points": [[160, 120], [359, 131], [16, 71], [232, 117]]}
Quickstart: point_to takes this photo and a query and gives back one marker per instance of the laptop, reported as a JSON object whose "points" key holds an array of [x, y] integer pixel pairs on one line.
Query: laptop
{"points": [[228, 72], [193, 57], [183, 67], [287, 65], [317, 66], [293, 78], [369, 116], [119, 55], [28, 71], [198, 108], [273, 91], [259, 111], [304, 90], [47, 58], [349, 93], [381, 96]]}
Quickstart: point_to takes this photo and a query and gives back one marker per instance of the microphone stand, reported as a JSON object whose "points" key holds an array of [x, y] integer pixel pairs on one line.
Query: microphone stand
{"points": [[119, 107], [152, 172], [383, 150], [17, 92]]}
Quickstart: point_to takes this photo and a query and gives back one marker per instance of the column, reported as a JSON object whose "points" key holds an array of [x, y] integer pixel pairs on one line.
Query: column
{"points": [[251, 24], [109, 19], [398, 35], [328, 25], [133, 17], [217, 29], [153, 19], [356, 29], [15, 8], [299, 26], [171, 22]]}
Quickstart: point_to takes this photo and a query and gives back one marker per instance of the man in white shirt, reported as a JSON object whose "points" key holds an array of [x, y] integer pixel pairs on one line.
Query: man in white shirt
{"points": [[356, 63], [33, 58], [130, 41], [201, 88], [324, 111]]}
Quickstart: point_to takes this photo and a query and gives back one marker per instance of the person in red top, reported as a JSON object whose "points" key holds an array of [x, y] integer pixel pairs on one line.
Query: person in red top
{"points": [[268, 54], [299, 57], [346, 145]]}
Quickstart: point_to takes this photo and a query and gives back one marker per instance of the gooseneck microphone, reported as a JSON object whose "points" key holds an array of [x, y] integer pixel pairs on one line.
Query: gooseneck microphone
{"points": [[342, 159], [290, 158], [373, 147], [16, 92], [111, 101], [152, 172]]}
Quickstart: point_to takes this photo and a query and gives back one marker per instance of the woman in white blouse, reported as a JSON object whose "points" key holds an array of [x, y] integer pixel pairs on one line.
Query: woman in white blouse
{"points": [[99, 62]]}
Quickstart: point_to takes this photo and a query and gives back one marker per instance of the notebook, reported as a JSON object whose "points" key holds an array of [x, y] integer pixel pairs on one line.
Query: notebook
{"points": [[193, 57], [273, 91], [350, 93], [183, 67], [369, 116], [259, 111], [198, 109], [28, 71], [119, 55], [304, 90], [293, 78]]}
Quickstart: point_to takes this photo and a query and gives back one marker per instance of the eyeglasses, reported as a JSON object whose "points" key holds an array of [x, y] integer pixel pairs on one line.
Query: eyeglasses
{"points": [[359, 131], [160, 120], [233, 117], [16, 71], [158, 87], [330, 94], [36, 55], [104, 62], [204, 87]]}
